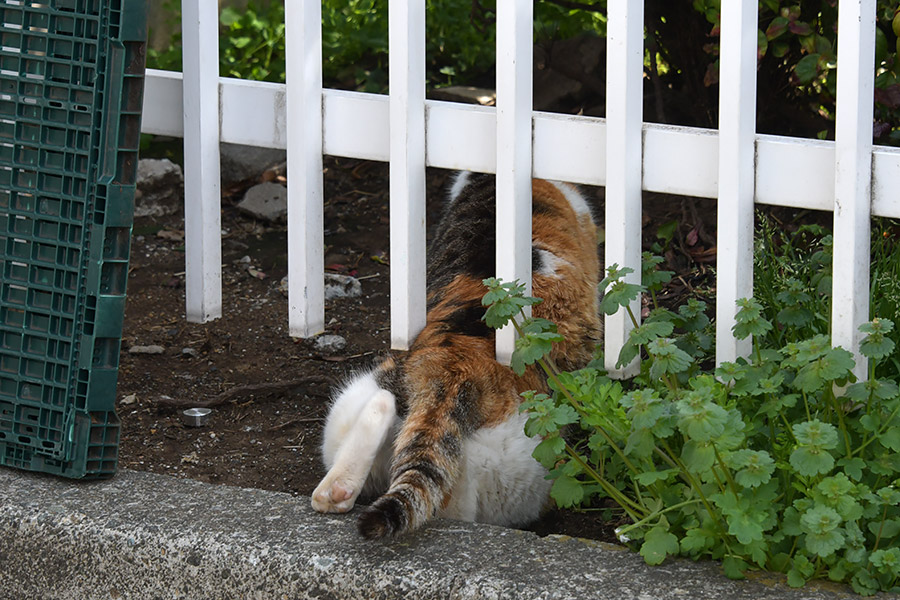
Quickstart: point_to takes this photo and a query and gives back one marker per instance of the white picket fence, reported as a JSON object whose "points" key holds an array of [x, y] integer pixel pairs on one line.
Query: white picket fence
{"points": [[734, 164]]}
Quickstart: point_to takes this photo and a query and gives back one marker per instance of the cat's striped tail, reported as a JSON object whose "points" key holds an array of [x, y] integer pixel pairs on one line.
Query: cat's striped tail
{"points": [[426, 462]]}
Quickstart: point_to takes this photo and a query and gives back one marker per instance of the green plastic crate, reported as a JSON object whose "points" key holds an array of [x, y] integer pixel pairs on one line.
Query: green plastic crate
{"points": [[71, 92]]}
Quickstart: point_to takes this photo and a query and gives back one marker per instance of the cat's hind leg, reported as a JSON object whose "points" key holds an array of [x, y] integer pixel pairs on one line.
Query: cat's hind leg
{"points": [[338, 490]]}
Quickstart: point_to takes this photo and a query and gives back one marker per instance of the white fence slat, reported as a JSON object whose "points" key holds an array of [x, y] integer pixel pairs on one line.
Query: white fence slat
{"points": [[515, 32], [737, 128], [407, 186], [306, 261], [202, 217], [624, 100], [853, 174]]}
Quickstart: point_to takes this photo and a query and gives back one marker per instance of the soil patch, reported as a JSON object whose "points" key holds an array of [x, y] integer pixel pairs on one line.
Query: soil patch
{"points": [[270, 391]]}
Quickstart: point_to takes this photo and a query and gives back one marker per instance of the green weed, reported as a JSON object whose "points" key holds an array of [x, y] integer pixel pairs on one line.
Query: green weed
{"points": [[781, 462]]}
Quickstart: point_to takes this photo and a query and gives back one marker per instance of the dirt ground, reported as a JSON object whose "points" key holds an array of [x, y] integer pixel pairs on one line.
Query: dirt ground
{"points": [[270, 392]]}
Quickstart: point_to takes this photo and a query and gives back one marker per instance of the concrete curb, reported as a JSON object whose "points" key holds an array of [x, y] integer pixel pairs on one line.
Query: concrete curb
{"points": [[147, 536]]}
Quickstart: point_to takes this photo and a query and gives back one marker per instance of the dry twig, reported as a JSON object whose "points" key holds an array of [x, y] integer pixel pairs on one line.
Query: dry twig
{"points": [[240, 391]]}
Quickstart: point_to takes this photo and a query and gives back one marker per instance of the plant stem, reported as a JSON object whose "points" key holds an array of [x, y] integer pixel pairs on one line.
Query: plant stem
{"points": [[621, 499], [658, 513], [731, 482], [881, 430]]}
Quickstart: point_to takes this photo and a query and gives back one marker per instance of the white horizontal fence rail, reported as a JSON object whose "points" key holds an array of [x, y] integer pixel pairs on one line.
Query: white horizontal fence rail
{"points": [[849, 177]]}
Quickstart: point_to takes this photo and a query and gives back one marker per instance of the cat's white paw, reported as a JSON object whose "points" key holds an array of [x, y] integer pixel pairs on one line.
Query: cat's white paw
{"points": [[334, 496]]}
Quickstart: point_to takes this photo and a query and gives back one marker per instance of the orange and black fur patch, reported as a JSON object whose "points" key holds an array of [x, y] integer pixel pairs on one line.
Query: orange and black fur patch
{"points": [[449, 384]]}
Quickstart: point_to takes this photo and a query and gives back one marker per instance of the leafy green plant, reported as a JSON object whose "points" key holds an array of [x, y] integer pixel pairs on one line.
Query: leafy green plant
{"points": [[792, 275], [780, 462], [801, 35], [252, 45]]}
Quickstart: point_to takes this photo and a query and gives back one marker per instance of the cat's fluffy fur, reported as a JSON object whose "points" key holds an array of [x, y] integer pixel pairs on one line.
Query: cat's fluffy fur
{"points": [[437, 430]]}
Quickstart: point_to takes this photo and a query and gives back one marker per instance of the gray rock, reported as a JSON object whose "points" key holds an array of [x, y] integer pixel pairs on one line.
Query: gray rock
{"points": [[336, 286], [240, 163], [266, 201], [330, 343], [152, 349], [160, 188], [341, 286]]}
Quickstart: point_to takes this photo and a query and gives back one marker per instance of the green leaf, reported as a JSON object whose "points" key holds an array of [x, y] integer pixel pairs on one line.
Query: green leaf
{"points": [[824, 544], [821, 525], [807, 68], [734, 567], [853, 467], [697, 540], [640, 443], [668, 358], [648, 478], [700, 419], [876, 344], [886, 529], [794, 316], [756, 467], [567, 491], [651, 276], [658, 543], [816, 433], [811, 461], [776, 28], [749, 320], [693, 315], [795, 579], [645, 408], [549, 450], [745, 522], [891, 439], [887, 561], [651, 330], [533, 346], [619, 295], [697, 457], [546, 418]]}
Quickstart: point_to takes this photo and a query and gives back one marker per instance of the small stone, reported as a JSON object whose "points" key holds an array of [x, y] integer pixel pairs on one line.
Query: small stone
{"points": [[336, 286], [129, 399], [242, 163], [341, 286], [330, 343], [152, 349], [191, 352], [161, 186], [266, 201], [190, 459]]}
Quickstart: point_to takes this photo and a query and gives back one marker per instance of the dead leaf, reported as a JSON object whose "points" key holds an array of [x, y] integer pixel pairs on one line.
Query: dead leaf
{"points": [[172, 236]]}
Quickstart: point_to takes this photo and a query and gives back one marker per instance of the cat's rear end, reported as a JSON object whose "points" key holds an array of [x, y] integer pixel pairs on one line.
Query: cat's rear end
{"points": [[449, 406]]}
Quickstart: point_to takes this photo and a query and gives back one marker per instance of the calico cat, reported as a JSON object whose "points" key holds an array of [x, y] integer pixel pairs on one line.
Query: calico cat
{"points": [[437, 430]]}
